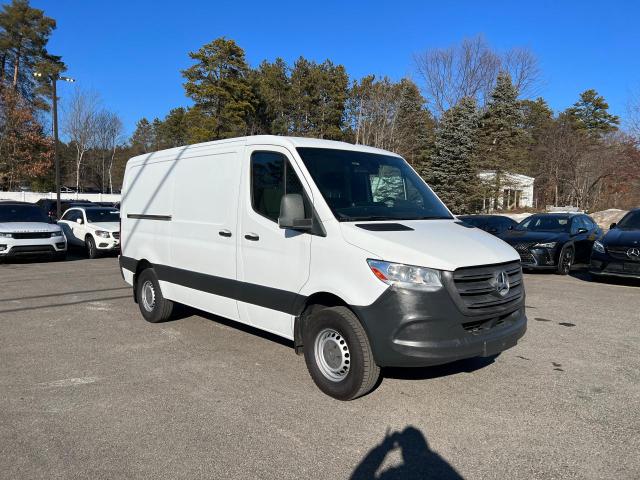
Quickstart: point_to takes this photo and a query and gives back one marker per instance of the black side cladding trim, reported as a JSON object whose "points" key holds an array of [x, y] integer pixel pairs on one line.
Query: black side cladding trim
{"points": [[128, 263], [144, 216], [260, 295], [383, 227]]}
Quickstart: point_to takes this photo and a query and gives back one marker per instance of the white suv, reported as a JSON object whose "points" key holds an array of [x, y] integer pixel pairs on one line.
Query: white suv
{"points": [[95, 228], [25, 230]]}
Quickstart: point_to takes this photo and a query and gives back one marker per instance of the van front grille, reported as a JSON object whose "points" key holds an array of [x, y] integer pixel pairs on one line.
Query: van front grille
{"points": [[476, 288]]}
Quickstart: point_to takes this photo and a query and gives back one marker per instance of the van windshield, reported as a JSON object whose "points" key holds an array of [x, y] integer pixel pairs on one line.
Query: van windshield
{"points": [[361, 186]]}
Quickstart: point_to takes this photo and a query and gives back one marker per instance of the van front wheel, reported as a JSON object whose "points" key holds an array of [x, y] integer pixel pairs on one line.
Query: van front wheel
{"points": [[153, 306], [338, 354]]}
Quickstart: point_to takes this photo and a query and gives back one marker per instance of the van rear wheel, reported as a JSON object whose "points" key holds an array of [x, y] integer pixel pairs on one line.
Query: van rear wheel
{"points": [[153, 306], [338, 354]]}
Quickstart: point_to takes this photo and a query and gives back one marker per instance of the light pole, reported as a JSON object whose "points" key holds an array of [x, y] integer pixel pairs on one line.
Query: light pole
{"points": [[54, 80]]}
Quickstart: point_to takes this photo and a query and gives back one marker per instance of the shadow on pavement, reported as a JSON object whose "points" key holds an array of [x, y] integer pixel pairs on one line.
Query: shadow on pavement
{"points": [[425, 373], [418, 460], [585, 276]]}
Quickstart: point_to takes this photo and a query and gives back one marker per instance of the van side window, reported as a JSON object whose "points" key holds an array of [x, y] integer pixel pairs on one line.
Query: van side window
{"points": [[271, 177]]}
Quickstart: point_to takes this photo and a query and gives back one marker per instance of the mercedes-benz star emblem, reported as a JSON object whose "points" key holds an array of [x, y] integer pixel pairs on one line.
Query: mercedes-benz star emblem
{"points": [[634, 253], [502, 283]]}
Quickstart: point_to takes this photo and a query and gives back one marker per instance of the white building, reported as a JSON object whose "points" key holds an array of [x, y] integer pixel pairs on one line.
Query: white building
{"points": [[516, 191]]}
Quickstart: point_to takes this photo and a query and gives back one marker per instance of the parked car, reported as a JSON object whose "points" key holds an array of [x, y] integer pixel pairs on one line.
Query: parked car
{"points": [[341, 248], [554, 241], [64, 189], [109, 204], [618, 252], [25, 230], [493, 224], [50, 205], [95, 228]]}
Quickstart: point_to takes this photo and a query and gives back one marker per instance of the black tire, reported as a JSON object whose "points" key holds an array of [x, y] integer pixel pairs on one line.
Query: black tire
{"points": [[90, 244], [565, 260], [362, 372], [153, 306]]}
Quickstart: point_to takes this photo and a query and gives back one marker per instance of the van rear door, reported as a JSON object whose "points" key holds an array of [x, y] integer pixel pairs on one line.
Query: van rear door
{"points": [[272, 262]]}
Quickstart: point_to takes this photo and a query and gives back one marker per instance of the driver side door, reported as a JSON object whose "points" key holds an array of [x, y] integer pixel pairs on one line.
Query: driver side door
{"points": [[273, 263]]}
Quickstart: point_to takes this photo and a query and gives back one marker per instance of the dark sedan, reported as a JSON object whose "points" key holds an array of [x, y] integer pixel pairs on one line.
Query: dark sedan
{"points": [[493, 224], [554, 241], [618, 253], [50, 205]]}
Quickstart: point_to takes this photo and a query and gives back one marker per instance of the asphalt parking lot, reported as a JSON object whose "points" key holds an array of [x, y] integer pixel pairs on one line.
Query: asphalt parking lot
{"points": [[88, 389]]}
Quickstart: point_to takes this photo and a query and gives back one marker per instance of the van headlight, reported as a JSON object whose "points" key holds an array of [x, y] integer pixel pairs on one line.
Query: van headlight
{"points": [[102, 233], [406, 276], [598, 246]]}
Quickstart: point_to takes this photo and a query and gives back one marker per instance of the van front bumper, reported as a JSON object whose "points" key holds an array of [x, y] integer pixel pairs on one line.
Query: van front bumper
{"points": [[409, 328]]}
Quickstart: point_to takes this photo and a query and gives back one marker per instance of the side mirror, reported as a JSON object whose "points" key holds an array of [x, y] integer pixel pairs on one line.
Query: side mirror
{"points": [[292, 213], [582, 230], [613, 225], [79, 221], [510, 227]]}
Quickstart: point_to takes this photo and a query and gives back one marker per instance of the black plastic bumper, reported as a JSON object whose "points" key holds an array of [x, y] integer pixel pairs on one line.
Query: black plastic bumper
{"points": [[604, 264], [413, 328]]}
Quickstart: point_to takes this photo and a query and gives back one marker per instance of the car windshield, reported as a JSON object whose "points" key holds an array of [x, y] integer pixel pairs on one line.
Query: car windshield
{"points": [[361, 186], [545, 223], [22, 213], [98, 215], [631, 221]]}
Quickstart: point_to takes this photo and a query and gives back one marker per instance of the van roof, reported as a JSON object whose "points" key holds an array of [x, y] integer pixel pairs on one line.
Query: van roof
{"points": [[275, 140]]}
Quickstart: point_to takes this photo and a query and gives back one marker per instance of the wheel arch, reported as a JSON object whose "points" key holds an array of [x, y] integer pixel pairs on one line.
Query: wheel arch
{"points": [[141, 265], [322, 299]]}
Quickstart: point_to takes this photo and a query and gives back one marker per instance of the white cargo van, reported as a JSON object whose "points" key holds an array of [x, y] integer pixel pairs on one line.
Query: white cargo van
{"points": [[341, 248]]}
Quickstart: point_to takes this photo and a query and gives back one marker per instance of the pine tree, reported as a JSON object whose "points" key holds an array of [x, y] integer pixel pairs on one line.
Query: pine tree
{"points": [[451, 173], [272, 87], [24, 33], [591, 114], [143, 139], [218, 84], [318, 96], [414, 131], [503, 140]]}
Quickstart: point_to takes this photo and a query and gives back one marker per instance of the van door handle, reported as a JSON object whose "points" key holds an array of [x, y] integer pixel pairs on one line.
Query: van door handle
{"points": [[224, 233], [252, 236]]}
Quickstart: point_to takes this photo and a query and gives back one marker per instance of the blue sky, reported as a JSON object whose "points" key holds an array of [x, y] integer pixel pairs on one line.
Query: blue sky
{"points": [[131, 52]]}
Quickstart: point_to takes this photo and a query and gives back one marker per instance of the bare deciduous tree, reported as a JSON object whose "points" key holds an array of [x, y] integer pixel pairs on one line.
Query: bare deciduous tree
{"points": [[633, 116], [109, 131], [80, 125], [470, 69]]}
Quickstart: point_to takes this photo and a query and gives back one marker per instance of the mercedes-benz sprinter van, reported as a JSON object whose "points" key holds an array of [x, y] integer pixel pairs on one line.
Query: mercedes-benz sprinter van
{"points": [[341, 248]]}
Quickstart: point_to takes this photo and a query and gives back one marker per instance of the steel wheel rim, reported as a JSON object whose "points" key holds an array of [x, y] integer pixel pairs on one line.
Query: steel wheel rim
{"points": [[332, 355], [148, 296]]}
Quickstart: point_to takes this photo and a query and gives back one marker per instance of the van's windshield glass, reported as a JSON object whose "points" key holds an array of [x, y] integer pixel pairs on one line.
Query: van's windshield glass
{"points": [[361, 186]]}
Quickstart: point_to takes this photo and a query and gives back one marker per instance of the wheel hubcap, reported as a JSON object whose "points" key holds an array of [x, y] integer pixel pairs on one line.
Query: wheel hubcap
{"points": [[148, 296], [332, 355]]}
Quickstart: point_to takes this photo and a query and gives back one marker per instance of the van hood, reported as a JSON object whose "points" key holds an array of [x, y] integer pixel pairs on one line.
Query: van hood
{"points": [[28, 227], [439, 244], [108, 226]]}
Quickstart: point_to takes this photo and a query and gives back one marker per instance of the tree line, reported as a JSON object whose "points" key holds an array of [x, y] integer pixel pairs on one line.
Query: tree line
{"points": [[94, 134], [469, 109]]}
